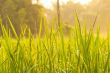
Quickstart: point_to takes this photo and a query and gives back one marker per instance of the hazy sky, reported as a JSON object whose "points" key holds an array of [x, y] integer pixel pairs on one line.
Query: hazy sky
{"points": [[49, 3]]}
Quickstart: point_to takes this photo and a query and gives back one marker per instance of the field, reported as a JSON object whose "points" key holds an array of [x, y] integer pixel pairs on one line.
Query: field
{"points": [[79, 52]]}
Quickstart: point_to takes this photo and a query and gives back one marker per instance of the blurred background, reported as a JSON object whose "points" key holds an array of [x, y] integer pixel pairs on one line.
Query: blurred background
{"points": [[32, 12]]}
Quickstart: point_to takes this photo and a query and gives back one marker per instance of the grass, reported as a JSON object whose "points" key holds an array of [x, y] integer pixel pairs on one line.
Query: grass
{"points": [[80, 52]]}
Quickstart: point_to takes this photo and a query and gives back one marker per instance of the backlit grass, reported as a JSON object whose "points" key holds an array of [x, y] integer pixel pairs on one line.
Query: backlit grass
{"points": [[81, 51]]}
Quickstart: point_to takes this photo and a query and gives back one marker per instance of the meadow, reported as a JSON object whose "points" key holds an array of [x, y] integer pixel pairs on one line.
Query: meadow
{"points": [[82, 51]]}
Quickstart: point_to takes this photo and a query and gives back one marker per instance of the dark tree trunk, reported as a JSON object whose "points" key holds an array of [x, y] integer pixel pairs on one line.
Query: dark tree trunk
{"points": [[37, 1], [58, 12]]}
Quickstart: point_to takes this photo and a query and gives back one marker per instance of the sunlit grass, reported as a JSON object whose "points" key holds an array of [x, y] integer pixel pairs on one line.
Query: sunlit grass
{"points": [[80, 52]]}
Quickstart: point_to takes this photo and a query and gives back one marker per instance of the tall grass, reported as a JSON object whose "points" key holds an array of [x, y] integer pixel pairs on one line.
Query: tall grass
{"points": [[80, 52]]}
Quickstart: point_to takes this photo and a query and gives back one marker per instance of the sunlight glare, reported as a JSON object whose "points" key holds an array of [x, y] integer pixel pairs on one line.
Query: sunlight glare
{"points": [[34, 1], [49, 3], [83, 2]]}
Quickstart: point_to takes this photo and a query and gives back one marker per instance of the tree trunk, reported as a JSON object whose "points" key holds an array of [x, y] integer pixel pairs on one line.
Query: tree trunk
{"points": [[58, 12], [37, 1]]}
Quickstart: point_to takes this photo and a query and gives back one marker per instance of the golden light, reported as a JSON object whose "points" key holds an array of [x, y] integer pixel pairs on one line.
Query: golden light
{"points": [[63, 1], [83, 2], [34, 1], [49, 3]]}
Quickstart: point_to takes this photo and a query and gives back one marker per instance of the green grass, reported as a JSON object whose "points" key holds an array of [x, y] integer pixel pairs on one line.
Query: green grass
{"points": [[80, 52]]}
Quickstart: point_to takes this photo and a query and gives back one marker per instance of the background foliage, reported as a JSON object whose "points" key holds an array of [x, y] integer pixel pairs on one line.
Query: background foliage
{"points": [[21, 12]]}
